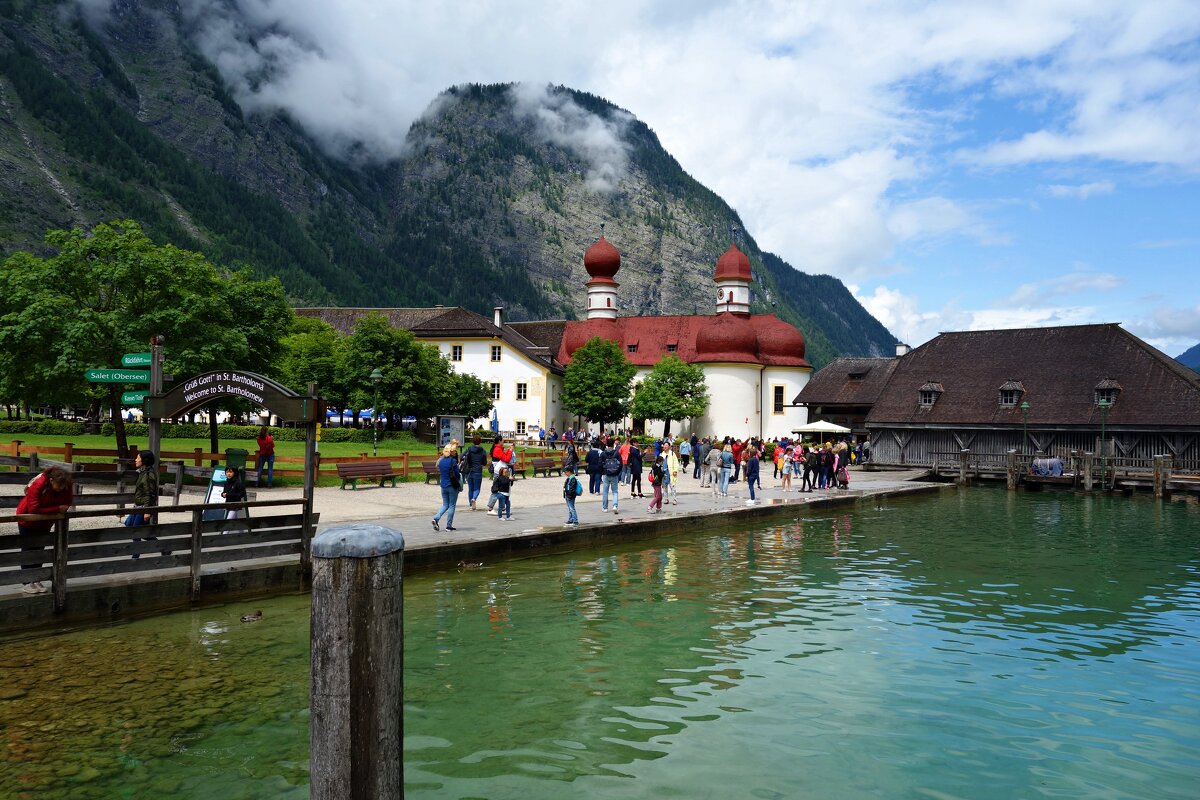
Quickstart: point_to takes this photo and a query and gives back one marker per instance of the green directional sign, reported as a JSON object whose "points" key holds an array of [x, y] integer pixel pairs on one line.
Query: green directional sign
{"points": [[118, 375], [134, 398], [135, 360]]}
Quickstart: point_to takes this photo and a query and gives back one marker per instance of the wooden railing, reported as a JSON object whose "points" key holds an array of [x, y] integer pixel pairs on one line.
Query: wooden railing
{"points": [[111, 550]]}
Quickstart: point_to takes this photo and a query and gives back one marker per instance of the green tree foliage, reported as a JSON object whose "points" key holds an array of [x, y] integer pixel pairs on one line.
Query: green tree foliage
{"points": [[597, 382], [105, 293], [311, 353], [673, 390]]}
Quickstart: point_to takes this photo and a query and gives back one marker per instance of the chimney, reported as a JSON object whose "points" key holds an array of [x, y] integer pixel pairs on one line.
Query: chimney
{"points": [[498, 316], [902, 349]]}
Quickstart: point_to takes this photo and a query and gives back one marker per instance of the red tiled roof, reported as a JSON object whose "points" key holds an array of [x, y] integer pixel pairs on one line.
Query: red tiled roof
{"points": [[778, 343]]}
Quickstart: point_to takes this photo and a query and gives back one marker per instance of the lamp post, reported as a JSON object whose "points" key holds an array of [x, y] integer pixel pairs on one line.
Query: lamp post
{"points": [[1104, 406], [376, 377], [1024, 426]]}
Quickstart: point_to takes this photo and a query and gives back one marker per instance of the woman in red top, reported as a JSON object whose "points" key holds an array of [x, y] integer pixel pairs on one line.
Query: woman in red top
{"points": [[52, 492], [266, 455]]}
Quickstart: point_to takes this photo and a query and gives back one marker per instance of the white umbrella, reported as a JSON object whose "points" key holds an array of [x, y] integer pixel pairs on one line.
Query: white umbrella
{"points": [[820, 426]]}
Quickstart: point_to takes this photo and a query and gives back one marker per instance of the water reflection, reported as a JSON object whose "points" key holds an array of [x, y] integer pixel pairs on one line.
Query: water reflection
{"points": [[979, 645]]}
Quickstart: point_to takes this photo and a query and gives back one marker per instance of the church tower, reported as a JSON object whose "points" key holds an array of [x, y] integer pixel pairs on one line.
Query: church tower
{"points": [[733, 282]]}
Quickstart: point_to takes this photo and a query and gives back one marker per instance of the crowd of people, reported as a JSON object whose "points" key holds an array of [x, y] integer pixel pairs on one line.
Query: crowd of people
{"points": [[611, 461]]}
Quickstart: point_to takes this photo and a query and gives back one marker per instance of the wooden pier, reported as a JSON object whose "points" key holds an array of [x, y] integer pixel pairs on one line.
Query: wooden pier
{"points": [[1082, 471]]}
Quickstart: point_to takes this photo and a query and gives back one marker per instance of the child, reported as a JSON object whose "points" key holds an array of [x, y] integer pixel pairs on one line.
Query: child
{"points": [[784, 462], [235, 492], [501, 487], [656, 481], [751, 473], [570, 492]]}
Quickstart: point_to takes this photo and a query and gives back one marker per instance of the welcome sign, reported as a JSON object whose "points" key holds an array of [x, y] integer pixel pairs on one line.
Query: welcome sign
{"points": [[258, 390]]}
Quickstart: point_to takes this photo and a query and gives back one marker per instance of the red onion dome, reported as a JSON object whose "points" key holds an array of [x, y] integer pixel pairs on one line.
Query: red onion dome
{"points": [[602, 261], [780, 339], [734, 265], [729, 337]]}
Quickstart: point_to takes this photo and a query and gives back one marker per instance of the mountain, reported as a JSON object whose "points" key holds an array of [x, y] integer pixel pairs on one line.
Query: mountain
{"points": [[488, 205], [1190, 358]]}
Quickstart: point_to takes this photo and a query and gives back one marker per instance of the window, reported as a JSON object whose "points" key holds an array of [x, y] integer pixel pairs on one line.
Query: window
{"points": [[928, 397], [777, 399], [456, 351], [520, 427], [522, 391], [671, 348], [495, 391], [1106, 396], [496, 350], [1009, 398], [631, 348]]}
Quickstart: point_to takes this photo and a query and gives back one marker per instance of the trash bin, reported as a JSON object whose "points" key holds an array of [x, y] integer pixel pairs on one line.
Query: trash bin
{"points": [[236, 457]]}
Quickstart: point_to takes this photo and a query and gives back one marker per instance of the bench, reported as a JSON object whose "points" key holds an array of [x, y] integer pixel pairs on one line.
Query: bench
{"points": [[432, 473], [354, 471], [544, 466]]}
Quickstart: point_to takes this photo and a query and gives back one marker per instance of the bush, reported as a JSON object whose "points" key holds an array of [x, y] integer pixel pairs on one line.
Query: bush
{"points": [[199, 430], [49, 427]]}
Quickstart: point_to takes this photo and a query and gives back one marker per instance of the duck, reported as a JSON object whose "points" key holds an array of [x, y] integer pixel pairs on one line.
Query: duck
{"points": [[255, 617], [470, 565]]}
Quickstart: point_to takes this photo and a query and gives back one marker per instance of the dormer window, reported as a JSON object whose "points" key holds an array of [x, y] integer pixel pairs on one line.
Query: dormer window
{"points": [[632, 348], [671, 348], [1107, 391], [1011, 393], [928, 394], [857, 376]]}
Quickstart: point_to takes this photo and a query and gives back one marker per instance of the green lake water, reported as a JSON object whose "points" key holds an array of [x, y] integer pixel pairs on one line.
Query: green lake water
{"points": [[979, 644]]}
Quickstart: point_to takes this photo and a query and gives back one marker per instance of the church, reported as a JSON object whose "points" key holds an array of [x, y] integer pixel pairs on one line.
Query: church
{"points": [[754, 364]]}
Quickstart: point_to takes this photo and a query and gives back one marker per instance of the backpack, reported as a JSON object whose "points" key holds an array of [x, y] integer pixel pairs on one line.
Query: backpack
{"points": [[611, 465]]}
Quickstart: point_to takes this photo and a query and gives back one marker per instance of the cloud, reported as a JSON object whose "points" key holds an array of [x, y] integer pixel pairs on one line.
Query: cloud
{"points": [[1083, 191], [561, 121], [1180, 326], [900, 313], [1072, 283], [1160, 244]]}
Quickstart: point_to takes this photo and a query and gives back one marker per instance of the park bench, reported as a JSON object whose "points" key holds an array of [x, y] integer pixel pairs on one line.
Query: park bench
{"points": [[544, 466], [432, 473], [352, 472]]}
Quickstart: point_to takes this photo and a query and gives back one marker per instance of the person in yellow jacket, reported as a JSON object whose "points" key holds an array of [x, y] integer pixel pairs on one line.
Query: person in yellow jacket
{"points": [[671, 466]]}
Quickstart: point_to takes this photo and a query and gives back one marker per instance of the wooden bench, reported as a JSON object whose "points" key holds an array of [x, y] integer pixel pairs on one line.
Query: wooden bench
{"points": [[545, 466], [432, 473], [352, 472]]}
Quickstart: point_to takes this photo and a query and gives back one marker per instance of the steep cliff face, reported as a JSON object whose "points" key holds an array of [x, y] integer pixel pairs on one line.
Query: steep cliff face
{"points": [[489, 205]]}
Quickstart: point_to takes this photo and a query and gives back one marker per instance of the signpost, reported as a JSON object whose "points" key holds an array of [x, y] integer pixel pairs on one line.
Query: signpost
{"points": [[134, 398], [136, 360], [117, 375]]}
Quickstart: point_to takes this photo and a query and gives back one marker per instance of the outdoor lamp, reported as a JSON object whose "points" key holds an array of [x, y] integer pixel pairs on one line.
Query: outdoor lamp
{"points": [[376, 377], [1025, 425], [1104, 406]]}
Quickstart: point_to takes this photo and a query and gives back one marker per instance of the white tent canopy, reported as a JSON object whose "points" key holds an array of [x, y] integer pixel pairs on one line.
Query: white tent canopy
{"points": [[821, 426]]}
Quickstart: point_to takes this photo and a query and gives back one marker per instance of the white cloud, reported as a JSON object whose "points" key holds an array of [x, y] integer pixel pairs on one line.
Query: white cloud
{"points": [[1170, 328], [1082, 191], [1067, 285]]}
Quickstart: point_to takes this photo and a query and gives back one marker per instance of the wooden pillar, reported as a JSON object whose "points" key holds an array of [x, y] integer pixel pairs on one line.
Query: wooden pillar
{"points": [[1089, 460], [356, 727], [68, 452], [311, 465], [35, 462], [195, 564], [964, 458], [58, 576], [1014, 470], [1162, 474], [14, 448]]}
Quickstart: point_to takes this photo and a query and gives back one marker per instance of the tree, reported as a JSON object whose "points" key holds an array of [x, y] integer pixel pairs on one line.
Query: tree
{"points": [[312, 352], [673, 390], [597, 382], [105, 293], [467, 395]]}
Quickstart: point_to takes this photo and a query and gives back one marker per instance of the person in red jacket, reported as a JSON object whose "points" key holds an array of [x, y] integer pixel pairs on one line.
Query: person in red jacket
{"points": [[737, 459], [52, 492]]}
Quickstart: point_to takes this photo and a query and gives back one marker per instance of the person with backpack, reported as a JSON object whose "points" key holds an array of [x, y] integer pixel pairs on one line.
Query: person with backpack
{"points": [[472, 468], [572, 488], [636, 462], [727, 462], [610, 473], [623, 450], [592, 460], [656, 481], [670, 474]]}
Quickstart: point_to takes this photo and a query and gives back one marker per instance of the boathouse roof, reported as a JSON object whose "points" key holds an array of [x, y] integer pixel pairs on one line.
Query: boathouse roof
{"points": [[1061, 372], [848, 381]]}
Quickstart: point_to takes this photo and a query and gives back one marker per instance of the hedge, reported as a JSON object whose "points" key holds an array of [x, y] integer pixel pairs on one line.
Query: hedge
{"points": [[49, 427], [199, 430]]}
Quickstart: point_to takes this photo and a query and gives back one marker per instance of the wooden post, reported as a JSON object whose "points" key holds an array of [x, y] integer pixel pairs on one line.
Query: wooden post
{"points": [[1088, 461], [1014, 474], [68, 452], [1162, 474], [356, 727], [198, 457], [14, 448], [964, 457], [58, 577], [197, 517], [312, 463], [404, 467], [178, 481]]}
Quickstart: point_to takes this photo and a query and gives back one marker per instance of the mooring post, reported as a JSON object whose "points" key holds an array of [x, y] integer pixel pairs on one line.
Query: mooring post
{"points": [[1088, 460], [1013, 470], [1162, 474], [964, 457], [356, 727]]}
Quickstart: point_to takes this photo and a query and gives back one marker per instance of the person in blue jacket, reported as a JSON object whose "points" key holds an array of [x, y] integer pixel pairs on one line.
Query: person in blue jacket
{"points": [[451, 485]]}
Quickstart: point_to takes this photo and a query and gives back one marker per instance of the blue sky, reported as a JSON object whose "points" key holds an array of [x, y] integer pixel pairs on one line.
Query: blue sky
{"points": [[960, 165]]}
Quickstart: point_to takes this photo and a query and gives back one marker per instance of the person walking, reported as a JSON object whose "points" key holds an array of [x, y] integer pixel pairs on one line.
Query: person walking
{"points": [[571, 489], [266, 456], [636, 463], [784, 456], [450, 484], [570, 457], [712, 466], [51, 492], [610, 465], [502, 488], [685, 454], [699, 451], [592, 460], [657, 473], [809, 464], [751, 473], [145, 495], [727, 464], [623, 450], [474, 457], [234, 492], [671, 475]]}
